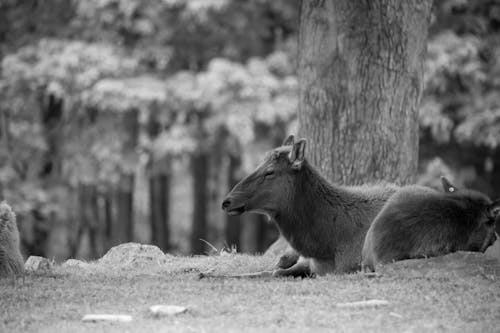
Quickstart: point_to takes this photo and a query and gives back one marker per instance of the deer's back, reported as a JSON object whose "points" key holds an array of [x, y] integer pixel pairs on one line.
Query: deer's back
{"points": [[368, 200], [341, 234]]}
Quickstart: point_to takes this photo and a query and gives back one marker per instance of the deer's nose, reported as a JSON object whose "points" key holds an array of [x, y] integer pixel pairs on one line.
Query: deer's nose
{"points": [[226, 203]]}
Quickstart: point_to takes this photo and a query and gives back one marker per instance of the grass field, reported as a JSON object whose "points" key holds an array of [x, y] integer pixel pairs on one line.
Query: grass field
{"points": [[458, 292]]}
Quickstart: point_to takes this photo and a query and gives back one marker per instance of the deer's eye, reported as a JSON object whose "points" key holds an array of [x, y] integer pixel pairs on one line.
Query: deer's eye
{"points": [[269, 173]]}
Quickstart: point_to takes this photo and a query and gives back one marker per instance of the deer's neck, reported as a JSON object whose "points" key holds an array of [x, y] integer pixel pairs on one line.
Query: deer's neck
{"points": [[317, 220]]}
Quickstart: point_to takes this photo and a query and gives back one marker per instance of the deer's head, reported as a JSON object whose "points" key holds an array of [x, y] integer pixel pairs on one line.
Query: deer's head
{"points": [[271, 186]]}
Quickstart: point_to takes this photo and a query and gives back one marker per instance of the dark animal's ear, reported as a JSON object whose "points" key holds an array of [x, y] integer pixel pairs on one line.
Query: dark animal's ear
{"points": [[297, 154], [448, 187], [289, 141], [495, 207]]}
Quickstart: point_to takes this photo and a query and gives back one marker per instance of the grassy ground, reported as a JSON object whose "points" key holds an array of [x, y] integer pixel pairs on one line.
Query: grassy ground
{"points": [[456, 293]]}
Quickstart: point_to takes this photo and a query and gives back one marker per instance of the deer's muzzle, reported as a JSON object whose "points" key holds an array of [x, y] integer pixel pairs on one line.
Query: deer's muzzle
{"points": [[231, 208]]}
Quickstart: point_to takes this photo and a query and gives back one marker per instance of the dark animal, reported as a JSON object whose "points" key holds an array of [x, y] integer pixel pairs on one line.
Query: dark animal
{"points": [[11, 261], [322, 222], [419, 222]]}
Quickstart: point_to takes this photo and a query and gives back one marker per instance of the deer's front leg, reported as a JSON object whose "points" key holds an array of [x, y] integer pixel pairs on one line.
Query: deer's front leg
{"points": [[302, 268], [288, 259]]}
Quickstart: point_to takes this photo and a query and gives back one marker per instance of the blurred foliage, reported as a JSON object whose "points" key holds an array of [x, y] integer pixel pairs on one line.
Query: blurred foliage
{"points": [[462, 75], [460, 113], [237, 97], [187, 34], [63, 70], [32, 78], [65, 66], [24, 21]]}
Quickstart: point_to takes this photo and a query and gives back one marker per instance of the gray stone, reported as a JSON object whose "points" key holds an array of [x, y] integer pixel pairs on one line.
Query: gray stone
{"points": [[167, 310], [133, 254], [364, 304], [38, 264], [107, 317]]}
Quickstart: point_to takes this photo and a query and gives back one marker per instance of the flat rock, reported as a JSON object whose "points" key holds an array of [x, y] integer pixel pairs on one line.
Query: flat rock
{"points": [[133, 254], [37, 264], [167, 310], [363, 304], [107, 317]]}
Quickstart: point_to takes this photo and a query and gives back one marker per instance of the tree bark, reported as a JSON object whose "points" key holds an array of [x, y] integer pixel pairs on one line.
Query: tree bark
{"points": [[160, 172], [123, 228], [88, 221], [233, 223], [159, 187], [199, 165], [360, 71], [52, 108], [108, 219], [94, 227]]}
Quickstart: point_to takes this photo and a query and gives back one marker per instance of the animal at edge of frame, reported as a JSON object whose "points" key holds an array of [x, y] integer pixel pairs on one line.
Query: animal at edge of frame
{"points": [[11, 260]]}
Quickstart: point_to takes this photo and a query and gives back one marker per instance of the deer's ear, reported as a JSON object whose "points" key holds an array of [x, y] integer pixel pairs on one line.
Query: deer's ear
{"points": [[495, 207], [448, 187], [297, 154], [289, 141]]}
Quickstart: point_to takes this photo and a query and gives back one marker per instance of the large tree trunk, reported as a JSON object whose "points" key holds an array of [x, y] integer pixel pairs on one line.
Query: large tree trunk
{"points": [[360, 72]]}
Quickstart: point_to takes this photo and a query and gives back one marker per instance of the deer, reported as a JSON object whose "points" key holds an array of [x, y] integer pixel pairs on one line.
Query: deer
{"points": [[325, 224]]}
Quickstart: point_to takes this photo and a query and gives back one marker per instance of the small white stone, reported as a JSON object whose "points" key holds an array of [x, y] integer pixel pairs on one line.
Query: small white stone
{"points": [[167, 310], [37, 264], [394, 314], [107, 317], [363, 304]]}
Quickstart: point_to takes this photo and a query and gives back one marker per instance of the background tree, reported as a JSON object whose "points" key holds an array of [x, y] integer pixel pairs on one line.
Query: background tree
{"points": [[360, 70]]}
